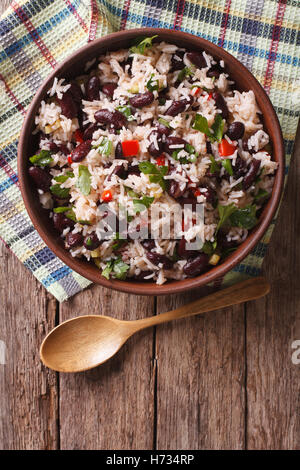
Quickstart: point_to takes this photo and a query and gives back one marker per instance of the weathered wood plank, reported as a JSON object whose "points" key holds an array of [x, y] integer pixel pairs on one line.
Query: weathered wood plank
{"points": [[110, 407], [200, 379], [28, 391], [272, 325]]}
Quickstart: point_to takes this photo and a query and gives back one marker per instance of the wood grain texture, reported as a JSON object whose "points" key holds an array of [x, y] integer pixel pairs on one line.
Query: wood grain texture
{"points": [[240, 389], [201, 379], [28, 391], [110, 407], [273, 399]]}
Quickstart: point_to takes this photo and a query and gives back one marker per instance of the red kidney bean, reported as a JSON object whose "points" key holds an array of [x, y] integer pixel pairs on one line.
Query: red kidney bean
{"points": [[182, 250], [208, 148], [175, 63], [41, 177], [246, 148], [80, 152], [74, 239], [197, 59], [109, 88], [157, 259], [176, 107], [162, 129], [236, 130], [251, 173], [209, 194], [148, 244], [120, 171], [188, 200], [221, 104], [239, 169], [68, 106], [115, 118], [214, 71], [92, 89], [152, 149], [76, 92], [223, 242], [53, 147], [91, 241], [197, 265], [63, 149], [142, 99], [119, 151], [82, 116], [172, 140], [174, 189], [61, 222], [133, 170], [89, 131]]}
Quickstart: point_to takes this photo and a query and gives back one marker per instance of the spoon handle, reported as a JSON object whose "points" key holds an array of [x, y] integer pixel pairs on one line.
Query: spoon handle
{"points": [[236, 294]]}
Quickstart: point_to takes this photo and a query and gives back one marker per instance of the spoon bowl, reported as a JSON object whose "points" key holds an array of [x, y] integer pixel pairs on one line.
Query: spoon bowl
{"points": [[85, 342], [74, 345]]}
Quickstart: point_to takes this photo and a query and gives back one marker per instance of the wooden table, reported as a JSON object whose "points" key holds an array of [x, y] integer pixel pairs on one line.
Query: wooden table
{"points": [[223, 381]]}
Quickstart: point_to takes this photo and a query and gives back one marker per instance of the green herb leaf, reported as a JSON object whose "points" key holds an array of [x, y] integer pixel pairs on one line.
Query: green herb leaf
{"points": [[120, 269], [185, 72], [244, 218], [57, 190], [71, 215], [164, 122], [208, 247], [84, 180], [130, 192], [63, 178], [227, 165], [105, 147], [156, 175], [201, 124], [224, 213], [148, 168], [84, 222], [262, 193], [142, 44], [214, 167], [126, 110], [152, 85], [140, 205], [61, 210], [218, 127], [42, 159], [108, 269]]}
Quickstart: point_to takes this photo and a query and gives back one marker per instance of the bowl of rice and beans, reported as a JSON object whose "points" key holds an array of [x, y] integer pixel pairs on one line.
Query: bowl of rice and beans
{"points": [[151, 161]]}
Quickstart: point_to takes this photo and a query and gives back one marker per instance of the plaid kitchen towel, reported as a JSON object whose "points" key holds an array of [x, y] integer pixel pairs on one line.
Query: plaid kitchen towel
{"points": [[37, 34]]}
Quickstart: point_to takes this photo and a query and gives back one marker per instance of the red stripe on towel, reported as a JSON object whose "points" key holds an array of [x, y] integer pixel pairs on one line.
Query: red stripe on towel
{"points": [[224, 23], [13, 97], [274, 45], [94, 21], [34, 34]]}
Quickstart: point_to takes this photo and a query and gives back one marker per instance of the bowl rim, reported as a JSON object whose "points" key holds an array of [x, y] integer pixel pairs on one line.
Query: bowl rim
{"points": [[89, 271]]}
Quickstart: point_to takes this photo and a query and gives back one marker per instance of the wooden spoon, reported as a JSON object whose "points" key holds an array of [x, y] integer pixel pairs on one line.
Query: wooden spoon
{"points": [[85, 342]]}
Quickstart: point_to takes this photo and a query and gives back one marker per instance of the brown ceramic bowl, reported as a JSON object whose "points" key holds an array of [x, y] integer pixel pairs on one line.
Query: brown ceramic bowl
{"points": [[72, 67]]}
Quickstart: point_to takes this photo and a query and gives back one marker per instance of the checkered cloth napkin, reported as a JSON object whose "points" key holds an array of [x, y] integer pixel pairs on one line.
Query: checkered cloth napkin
{"points": [[38, 34]]}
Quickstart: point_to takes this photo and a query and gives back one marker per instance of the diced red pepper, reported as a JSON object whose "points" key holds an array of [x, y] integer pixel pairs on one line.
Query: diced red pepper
{"points": [[225, 148], [161, 160], [197, 193], [130, 148], [78, 136], [106, 195], [197, 91], [209, 97], [70, 159]]}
